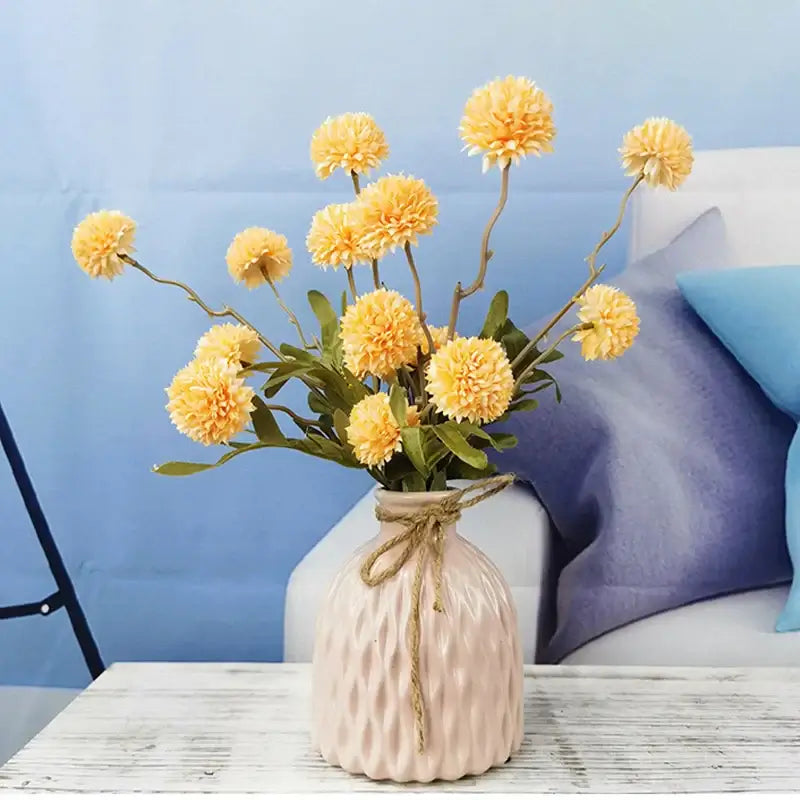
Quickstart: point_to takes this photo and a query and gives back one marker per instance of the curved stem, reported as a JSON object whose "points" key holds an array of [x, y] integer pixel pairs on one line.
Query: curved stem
{"points": [[615, 227], [418, 291], [226, 311], [356, 185], [292, 318], [542, 356], [376, 276], [594, 273], [352, 282], [459, 294], [296, 417]]}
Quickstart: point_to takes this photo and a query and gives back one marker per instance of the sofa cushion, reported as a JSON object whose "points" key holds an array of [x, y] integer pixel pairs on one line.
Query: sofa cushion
{"points": [[662, 471], [754, 313]]}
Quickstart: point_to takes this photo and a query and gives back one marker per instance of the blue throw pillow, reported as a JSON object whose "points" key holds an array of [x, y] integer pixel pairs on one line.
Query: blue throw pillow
{"points": [[661, 470], [755, 313]]}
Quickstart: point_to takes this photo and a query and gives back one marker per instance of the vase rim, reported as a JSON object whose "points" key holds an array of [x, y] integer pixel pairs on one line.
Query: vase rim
{"points": [[387, 497]]}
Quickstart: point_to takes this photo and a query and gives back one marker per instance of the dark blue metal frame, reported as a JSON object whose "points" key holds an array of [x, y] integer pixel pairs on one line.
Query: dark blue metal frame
{"points": [[65, 597]]}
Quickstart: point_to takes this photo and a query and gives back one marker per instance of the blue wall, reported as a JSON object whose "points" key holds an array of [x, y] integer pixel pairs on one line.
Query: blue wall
{"points": [[195, 118]]}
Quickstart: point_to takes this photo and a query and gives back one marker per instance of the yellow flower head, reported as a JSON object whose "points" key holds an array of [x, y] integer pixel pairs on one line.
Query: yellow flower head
{"points": [[614, 321], [258, 255], [351, 141], [98, 241], [395, 210], [373, 431], [209, 402], [380, 332], [236, 344], [659, 149], [505, 120], [335, 237], [471, 379]]}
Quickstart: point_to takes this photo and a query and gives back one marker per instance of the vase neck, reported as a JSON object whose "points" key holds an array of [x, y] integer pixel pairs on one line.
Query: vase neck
{"points": [[406, 503]]}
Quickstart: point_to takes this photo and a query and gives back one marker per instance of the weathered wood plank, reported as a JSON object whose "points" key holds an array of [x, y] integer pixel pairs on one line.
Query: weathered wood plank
{"points": [[243, 728]]}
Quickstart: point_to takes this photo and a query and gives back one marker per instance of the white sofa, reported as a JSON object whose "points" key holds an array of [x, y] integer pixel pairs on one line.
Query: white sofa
{"points": [[758, 192]]}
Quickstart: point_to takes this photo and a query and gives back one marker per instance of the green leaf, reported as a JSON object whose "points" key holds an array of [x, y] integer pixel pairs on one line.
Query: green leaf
{"points": [[458, 469], [512, 339], [340, 423], [528, 404], [262, 366], [398, 402], [181, 468], [558, 392], [499, 441], [190, 467], [319, 405], [303, 356], [496, 316], [554, 356], [504, 441], [414, 482], [283, 373], [439, 481], [267, 429], [414, 448], [398, 468], [450, 436], [328, 321]]}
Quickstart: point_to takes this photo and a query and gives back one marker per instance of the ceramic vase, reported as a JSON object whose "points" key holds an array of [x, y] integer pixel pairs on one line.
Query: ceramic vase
{"points": [[470, 663]]}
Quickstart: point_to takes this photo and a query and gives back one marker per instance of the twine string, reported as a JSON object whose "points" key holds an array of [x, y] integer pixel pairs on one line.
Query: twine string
{"points": [[424, 533]]}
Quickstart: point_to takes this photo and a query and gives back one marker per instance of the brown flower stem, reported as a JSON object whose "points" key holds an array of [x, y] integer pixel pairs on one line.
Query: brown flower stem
{"points": [[376, 384], [410, 384], [418, 291], [352, 282], [226, 311], [296, 417], [459, 294], [594, 274], [542, 356], [611, 231], [376, 276], [292, 318]]}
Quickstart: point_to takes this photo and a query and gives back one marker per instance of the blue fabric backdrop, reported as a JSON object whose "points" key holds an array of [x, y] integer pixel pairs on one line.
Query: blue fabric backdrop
{"points": [[194, 118]]}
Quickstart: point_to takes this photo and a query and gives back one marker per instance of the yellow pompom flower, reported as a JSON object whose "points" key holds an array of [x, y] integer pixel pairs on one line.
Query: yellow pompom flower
{"points": [[660, 150], [507, 119], [471, 378], [352, 142], [335, 237], [209, 402], [373, 431], [380, 332], [394, 210], [258, 255], [98, 241], [615, 323], [236, 344]]}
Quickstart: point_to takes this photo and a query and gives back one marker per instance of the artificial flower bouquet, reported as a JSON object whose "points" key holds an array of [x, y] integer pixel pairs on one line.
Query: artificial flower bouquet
{"points": [[388, 390]]}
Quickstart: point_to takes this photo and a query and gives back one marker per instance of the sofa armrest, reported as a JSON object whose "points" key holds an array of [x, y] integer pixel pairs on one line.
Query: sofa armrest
{"points": [[512, 528]]}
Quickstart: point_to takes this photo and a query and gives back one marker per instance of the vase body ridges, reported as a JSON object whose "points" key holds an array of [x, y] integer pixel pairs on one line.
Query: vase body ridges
{"points": [[470, 665]]}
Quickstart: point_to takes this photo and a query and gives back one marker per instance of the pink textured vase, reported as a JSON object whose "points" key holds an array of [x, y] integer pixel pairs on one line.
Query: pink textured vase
{"points": [[470, 664]]}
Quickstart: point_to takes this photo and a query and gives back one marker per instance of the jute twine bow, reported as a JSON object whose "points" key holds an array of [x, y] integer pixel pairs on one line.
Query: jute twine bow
{"points": [[424, 535]]}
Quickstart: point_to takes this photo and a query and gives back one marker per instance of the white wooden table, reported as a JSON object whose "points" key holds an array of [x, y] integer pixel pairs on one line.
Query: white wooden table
{"points": [[242, 728]]}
